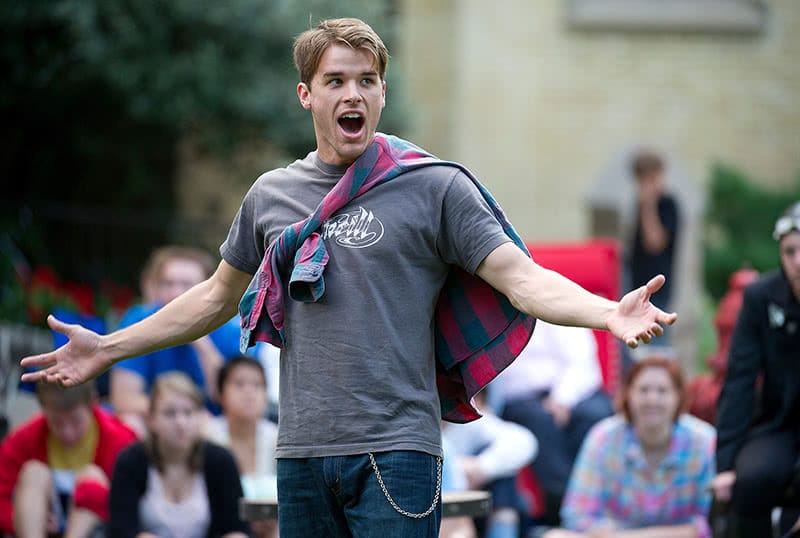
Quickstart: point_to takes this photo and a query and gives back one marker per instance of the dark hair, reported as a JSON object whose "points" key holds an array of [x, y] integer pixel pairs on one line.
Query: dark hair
{"points": [[64, 398], [235, 362], [645, 163], [675, 372]]}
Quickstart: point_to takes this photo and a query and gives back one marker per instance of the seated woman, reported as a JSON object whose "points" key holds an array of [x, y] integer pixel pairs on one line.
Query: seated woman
{"points": [[489, 453], [175, 483], [242, 389], [646, 472]]}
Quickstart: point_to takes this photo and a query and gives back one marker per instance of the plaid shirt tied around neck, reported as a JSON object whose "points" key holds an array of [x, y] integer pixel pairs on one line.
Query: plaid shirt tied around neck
{"points": [[477, 331]]}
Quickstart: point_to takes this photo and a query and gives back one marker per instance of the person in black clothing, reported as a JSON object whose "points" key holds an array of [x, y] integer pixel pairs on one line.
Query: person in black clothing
{"points": [[657, 224], [175, 483], [758, 419]]}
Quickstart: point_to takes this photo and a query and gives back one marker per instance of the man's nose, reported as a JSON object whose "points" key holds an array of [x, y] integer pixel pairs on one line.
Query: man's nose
{"points": [[352, 93]]}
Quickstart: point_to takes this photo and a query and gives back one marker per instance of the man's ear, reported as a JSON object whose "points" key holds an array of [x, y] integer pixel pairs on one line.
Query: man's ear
{"points": [[304, 94], [383, 94]]}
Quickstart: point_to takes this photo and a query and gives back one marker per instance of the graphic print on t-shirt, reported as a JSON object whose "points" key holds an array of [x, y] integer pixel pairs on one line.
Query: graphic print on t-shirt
{"points": [[355, 229]]}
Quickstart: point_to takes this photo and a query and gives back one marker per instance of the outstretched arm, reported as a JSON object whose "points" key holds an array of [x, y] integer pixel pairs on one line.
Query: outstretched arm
{"points": [[552, 297], [195, 313]]}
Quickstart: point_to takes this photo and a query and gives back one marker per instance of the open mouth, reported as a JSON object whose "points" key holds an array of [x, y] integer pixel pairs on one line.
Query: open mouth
{"points": [[351, 123]]}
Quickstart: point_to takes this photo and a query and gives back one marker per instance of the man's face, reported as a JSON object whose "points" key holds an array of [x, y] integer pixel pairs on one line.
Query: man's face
{"points": [[177, 276], [790, 260], [68, 426], [345, 97]]}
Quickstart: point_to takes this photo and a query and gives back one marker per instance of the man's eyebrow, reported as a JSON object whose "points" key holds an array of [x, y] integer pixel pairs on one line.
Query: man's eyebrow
{"points": [[339, 74]]}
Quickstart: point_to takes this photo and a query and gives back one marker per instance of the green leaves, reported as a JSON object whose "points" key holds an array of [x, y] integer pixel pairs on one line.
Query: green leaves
{"points": [[739, 222]]}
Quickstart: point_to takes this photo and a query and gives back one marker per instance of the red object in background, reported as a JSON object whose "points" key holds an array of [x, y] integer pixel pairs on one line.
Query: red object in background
{"points": [[703, 390], [596, 266], [81, 295], [45, 277], [42, 291], [45, 292], [114, 297]]}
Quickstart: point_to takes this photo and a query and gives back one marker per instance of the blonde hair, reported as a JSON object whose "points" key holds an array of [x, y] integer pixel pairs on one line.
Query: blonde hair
{"points": [[161, 256], [182, 385], [354, 33]]}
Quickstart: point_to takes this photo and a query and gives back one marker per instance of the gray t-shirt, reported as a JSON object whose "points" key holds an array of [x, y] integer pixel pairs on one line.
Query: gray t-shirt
{"points": [[357, 373]]}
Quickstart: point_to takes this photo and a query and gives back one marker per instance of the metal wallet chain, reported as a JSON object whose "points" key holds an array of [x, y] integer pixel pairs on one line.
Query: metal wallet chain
{"points": [[427, 512]]}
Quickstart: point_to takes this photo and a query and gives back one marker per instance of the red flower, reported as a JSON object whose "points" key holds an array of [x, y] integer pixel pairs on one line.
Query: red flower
{"points": [[81, 295]]}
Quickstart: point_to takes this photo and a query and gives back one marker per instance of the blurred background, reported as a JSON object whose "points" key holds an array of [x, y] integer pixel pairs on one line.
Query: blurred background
{"points": [[130, 124]]}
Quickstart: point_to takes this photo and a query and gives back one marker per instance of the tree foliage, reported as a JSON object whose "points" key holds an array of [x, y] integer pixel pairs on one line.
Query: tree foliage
{"points": [[97, 94], [739, 223]]}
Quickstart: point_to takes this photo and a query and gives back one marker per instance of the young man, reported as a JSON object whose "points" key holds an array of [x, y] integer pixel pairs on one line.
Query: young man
{"points": [[170, 271], [758, 439], [359, 442], [55, 470]]}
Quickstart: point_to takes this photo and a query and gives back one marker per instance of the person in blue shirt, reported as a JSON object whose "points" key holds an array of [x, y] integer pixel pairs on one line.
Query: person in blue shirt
{"points": [[170, 271]]}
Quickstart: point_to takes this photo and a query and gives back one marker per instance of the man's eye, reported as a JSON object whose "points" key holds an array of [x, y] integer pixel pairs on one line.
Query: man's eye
{"points": [[367, 81], [334, 81]]}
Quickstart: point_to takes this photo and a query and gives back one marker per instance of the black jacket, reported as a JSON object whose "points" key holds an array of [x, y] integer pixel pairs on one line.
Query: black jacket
{"points": [[766, 341], [129, 484]]}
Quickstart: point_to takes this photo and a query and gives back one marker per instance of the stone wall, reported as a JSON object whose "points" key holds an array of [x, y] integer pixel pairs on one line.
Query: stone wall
{"points": [[546, 114]]}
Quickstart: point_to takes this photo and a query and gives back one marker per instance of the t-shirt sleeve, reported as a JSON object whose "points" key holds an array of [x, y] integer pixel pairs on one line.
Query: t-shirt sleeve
{"points": [[469, 230], [244, 246]]}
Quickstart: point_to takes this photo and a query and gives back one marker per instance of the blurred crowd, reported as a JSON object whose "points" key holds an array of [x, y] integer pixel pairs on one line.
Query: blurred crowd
{"points": [[172, 441]]}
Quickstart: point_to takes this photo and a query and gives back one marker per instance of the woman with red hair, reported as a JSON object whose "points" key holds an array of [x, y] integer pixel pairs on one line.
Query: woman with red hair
{"points": [[645, 472]]}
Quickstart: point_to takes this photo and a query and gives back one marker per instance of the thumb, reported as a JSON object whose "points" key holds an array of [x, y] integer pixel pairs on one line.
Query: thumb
{"points": [[58, 325]]}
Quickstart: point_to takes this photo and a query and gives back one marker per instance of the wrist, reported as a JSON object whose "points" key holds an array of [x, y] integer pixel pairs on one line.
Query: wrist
{"points": [[110, 348]]}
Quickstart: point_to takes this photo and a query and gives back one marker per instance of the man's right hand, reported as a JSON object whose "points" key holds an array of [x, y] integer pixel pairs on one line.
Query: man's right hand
{"points": [[723, 485], [76, 362]]}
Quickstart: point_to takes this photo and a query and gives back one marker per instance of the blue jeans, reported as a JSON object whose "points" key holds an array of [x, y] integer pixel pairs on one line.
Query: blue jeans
{"points": [[339, 496]]}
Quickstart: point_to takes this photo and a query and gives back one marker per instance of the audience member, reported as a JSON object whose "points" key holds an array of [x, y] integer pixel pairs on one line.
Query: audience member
{"points": [[55, 468], [242, 428], [758, 417], [554, 389], [270, 358], [175, 483], [490, 452], [646, 472], [703, 391], [454, 479], [657, 227], [170, 271]]}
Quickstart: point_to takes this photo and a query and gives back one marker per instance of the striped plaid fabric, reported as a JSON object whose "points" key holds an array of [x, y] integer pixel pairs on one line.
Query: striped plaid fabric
{"points": [[478, 332]]}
